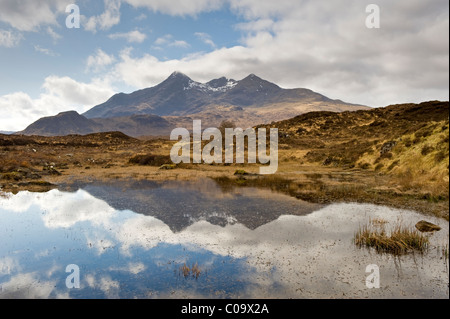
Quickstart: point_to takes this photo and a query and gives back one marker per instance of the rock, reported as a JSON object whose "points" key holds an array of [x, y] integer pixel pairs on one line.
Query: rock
{"points": [[387, 147], [62, 166], [50, 170], [328, 161], [168, 166], [425, 226]]}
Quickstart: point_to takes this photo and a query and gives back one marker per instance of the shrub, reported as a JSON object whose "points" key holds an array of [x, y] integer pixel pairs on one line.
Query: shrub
{"points": [[427, 149], [150, 160], [364, 165], [440, 156]]}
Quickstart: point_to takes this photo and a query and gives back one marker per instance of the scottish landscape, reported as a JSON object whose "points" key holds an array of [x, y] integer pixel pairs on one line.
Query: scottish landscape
{"points": [[95, 205]]}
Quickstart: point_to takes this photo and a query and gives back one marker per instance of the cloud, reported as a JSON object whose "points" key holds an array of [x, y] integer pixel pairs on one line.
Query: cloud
{"points": [[205, 38], [164, 39], [325, 47], [55, 36], [45, 51], [256, 25], [26, 15], [132, 36], [77, 93], [27, 286], [141, 17], [60, 94], [179, 44], [10, 39], [99, 60], [167, 40], [106, 20], [178, 7]]}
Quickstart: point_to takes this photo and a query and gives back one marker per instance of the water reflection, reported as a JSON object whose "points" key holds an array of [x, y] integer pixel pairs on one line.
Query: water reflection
{"points": [[180, 205], [130, 240]]}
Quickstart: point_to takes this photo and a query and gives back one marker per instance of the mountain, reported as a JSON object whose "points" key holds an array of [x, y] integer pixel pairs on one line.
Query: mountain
{"points": [[178, 100], [180, 95], [71, 122], [64, 123]]}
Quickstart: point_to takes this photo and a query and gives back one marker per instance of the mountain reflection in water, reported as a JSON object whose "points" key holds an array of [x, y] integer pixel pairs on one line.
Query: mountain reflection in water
{"points": [[180, 204]]}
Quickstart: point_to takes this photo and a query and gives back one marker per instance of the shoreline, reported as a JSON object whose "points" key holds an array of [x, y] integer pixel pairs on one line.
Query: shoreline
{"points": [[322, 185]]}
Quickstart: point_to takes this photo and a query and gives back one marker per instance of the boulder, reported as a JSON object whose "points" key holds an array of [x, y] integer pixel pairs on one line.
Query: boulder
{"points": [[387, 147], [425, 226]]}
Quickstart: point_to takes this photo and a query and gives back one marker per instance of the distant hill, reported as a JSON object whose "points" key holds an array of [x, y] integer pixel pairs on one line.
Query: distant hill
{"points": [[73, 123], [178, 100], [398, 138]]}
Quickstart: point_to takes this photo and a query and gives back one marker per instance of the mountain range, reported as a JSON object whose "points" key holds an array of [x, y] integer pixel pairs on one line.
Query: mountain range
{"points": [[178, 100]]}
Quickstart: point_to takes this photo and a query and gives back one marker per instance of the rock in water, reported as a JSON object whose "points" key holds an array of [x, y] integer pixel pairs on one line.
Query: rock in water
{"points": [[425, 226]]}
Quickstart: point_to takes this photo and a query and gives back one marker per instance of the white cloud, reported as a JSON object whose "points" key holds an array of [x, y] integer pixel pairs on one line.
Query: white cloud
{"points": [[60, 94], [206, 38], [179, 44], [106, 20], [27, 286], [10, 39], [178, 7], [325, 47], [55, 36], [141, 17], [132, 36], [99, 60], [77, 93], [26, 15], [164, 39], [256, 25], [45, 51], [167, 40]]}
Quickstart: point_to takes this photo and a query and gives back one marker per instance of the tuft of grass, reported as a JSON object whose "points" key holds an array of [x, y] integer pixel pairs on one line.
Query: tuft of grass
{"points": [[378, 222], [193, 271], [185, 270], [399, 241], [196, 271]]}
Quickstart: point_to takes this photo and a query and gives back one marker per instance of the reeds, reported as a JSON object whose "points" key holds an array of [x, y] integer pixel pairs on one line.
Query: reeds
{"points": [[444, 251], [193, 271], [400, 240]]}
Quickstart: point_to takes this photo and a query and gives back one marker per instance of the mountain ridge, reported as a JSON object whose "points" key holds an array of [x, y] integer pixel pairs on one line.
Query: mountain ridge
{"points": [[178, 100], [180, 95]]}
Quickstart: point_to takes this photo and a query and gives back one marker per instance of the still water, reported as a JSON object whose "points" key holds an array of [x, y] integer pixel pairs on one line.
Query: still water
{"points": [[143, 239]]}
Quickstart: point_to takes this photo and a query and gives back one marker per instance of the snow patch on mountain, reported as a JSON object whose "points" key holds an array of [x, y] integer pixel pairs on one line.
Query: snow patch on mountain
{"points": [[208, 88]]}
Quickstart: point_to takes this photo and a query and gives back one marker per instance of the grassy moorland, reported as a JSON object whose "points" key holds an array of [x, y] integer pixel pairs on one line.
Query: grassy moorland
{"points": [[396, 156]]}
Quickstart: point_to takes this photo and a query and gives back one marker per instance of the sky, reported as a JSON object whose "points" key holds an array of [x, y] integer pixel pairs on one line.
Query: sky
{"points": [[125, 45]]}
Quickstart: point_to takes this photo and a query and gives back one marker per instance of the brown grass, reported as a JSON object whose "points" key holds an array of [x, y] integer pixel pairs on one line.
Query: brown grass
{"points": [[193, 271], [399, 241]]}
